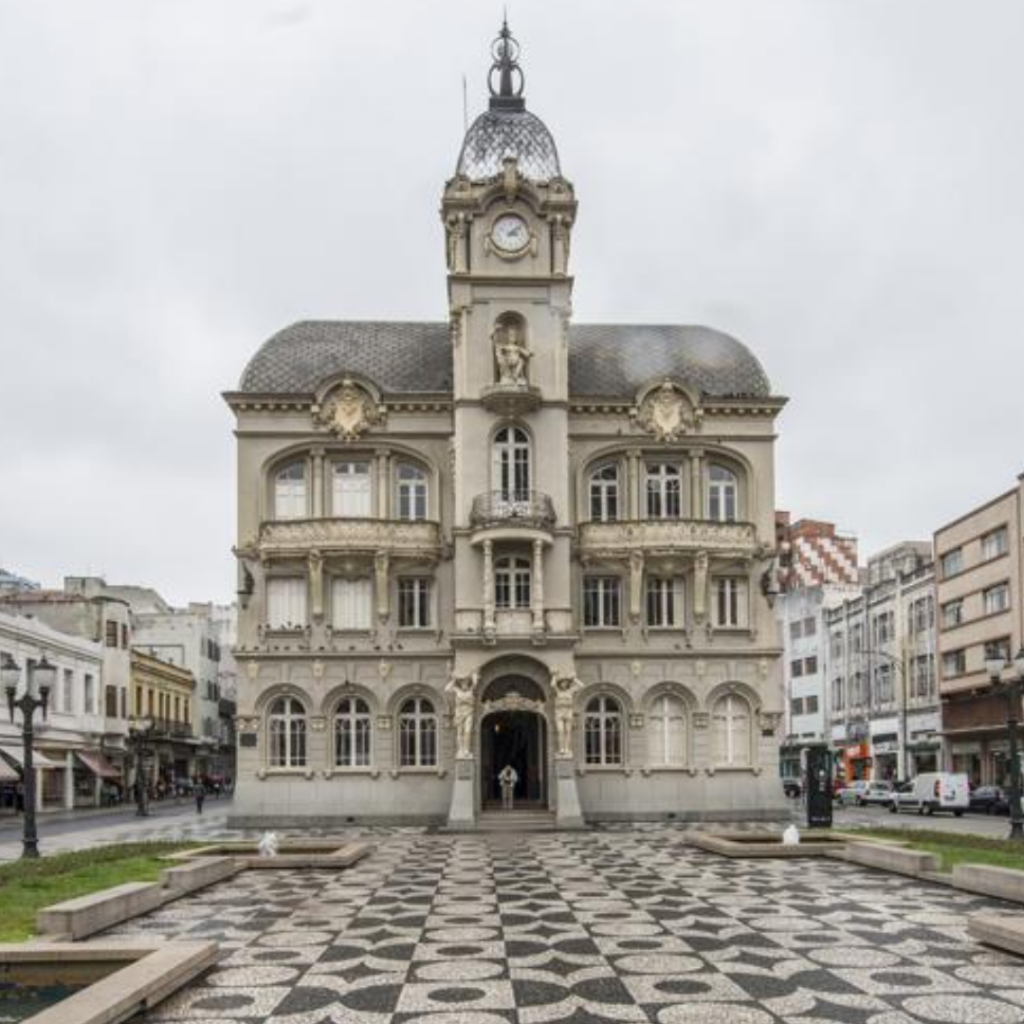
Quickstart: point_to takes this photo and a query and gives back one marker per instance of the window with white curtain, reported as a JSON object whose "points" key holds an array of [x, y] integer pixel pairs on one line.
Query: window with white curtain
{"points": [[730, 602], [602, 732], [351, 603], [417, 734], [351, 495], [664, 490], [352, 732], [664, 601], [410, 492], [286, 602], [290, 493], [511, 464], [512, 582], [604, 494], [722, 494], [666, 732], [286, 734], [732, 731]]}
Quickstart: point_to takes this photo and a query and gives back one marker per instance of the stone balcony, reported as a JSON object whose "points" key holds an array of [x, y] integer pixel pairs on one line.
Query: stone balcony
{"points": [[296, 538], [667, 537], [498, 514]]}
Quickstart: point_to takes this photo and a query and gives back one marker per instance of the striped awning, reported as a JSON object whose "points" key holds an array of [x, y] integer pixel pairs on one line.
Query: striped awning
{"points": [[14, 756], [98, 765]]}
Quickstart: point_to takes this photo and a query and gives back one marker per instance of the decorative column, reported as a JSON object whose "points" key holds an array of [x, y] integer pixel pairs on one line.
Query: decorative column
{"points": [[316, 584], [69, 782], [318, 483], [383, 484], [697, 483], [700, 586], [488, 585], [537, 588], [633, 483], [636, 583], [381, 567]]}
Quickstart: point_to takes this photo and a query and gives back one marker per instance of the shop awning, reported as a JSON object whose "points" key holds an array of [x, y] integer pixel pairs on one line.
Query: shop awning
{"points": [[7, 773], [13, 754], [98, 765]]}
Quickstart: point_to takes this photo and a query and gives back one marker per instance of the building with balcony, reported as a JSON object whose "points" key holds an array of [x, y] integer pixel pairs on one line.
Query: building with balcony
{"points": [[161, 703], [79, 748], [505, 538], [979, 613]]}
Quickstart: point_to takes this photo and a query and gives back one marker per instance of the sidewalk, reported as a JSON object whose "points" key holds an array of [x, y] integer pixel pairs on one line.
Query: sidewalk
{"points": [[12, 822]]}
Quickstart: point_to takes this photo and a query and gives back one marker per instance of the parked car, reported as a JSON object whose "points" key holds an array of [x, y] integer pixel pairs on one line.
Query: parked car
{"points": [[879, 793], [853, 792], [931, 792], [989, 800]]}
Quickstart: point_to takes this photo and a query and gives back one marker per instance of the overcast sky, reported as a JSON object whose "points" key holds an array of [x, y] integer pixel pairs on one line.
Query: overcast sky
{"points": [[839, 183]]}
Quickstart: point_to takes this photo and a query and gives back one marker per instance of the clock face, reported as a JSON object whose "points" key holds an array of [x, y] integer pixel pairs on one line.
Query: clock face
{"points": [[510, 233]]}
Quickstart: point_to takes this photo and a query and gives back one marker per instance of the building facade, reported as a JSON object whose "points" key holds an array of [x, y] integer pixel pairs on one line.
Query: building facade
{"points": [[505, 539], [161, 701], [978, 593], [883, 699], [79, 749]]}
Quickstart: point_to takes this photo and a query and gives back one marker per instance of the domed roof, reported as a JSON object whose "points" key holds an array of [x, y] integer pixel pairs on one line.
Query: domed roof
{"points": [[507, 128], [502, 132]]}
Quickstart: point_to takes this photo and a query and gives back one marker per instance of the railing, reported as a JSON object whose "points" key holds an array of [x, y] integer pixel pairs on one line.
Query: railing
{"points": [[513, 508], [668, 535], [290, 536]]}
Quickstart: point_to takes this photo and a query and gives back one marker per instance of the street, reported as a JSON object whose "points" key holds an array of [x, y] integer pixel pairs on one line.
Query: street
{"points": [[995, 826]]}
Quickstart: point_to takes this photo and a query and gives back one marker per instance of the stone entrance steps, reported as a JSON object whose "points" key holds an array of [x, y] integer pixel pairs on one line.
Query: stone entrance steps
{"points": [[516, 821]]}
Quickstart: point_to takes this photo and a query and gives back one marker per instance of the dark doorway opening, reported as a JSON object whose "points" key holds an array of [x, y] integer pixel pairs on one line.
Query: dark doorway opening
{"points": [[514, 738]]}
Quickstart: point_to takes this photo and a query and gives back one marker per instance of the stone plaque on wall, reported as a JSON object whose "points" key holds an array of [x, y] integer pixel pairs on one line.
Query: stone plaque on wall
{"points": [[247, 739]]}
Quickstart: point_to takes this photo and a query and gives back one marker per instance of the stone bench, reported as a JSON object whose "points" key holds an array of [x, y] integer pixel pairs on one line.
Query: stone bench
{"points": [[86, 915], [198, 874], [1003, 883], [1004, 931], [890, 858]]}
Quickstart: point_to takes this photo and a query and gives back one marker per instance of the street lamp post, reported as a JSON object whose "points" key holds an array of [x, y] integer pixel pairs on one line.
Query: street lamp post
{"points": [[36, 694], [1008, 678], [139, 738]]}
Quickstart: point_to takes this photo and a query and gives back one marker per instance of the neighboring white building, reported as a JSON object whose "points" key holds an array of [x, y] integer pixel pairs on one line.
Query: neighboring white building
{"points": [[79, 747]]}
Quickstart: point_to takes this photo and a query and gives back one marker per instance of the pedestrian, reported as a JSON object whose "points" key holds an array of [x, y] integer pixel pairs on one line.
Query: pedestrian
{"points": [[507, 778], [200, 794]]}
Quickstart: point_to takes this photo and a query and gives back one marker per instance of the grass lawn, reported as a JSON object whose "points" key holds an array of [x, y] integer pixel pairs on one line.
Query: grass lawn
{"points": [[28, 886], [954, 848]]}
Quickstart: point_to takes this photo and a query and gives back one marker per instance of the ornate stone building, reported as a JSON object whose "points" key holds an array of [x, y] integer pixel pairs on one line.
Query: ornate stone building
{"points": [[505, 539]]}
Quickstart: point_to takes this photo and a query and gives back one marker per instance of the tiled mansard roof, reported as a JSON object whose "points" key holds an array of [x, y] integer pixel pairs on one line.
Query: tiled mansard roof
{"points": [[605, 360]]}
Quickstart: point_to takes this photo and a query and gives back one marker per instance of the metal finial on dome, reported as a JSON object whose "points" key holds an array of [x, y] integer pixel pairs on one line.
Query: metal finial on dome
{"points": [[511, 80]]}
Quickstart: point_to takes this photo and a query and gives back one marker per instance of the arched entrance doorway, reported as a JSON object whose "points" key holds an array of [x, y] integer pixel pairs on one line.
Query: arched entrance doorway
{"points": [[513, 732]]}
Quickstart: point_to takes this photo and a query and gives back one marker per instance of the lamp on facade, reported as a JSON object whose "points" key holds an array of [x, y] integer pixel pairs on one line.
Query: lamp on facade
{"points": [[139, 736], [1008, 679], [36, 694]]}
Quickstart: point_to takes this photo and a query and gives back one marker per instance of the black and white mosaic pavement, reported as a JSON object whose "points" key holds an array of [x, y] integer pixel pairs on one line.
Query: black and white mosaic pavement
{"points": [[580, 928]]}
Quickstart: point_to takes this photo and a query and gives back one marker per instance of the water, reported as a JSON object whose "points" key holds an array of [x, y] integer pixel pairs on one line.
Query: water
{"points": [[19, 1002]]}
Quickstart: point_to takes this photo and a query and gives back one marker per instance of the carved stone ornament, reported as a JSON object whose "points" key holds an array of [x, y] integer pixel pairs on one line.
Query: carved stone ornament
{"points": [[701, 719], [512, 701], [667, 413], [349, 411], [770, 721]]}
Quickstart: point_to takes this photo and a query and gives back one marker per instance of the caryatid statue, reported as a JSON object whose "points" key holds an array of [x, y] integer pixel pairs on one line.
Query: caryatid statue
{"points": [[565, 686], [462, 690], [511, 353]]}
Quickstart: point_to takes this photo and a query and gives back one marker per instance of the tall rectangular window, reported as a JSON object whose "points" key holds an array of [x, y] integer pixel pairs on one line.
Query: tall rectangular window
{"points": [[601, 601], [664, 601], [286, 602], [952, 562], [411, 492], [997, 598], [68, 695], [290, 495], [730, 602], [954, 663], [994, 544], [89, 688], [414, 602], [111, 633], [350, 491], [351, 604], [952, 613], [664, 491]]}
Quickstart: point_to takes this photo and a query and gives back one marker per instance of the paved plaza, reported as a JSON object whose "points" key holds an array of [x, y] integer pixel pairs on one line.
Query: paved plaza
{"points": [[584, 927]]}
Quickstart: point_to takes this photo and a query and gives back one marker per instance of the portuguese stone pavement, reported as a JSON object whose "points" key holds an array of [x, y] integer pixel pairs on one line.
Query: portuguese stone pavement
{"points": [[613, 926]]}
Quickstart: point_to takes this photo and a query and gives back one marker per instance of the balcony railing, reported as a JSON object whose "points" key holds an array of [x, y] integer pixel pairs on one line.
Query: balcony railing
{"points": [[398, 536], [513, 508], [667, 536]]}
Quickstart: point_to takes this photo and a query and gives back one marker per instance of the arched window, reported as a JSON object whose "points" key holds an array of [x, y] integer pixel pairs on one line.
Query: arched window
{"points": [[604, 494], [352, 733], [511, 464], [664, 491], [732, 727], [602, 731], [290, 500], [722, 492], [417, 734], [286, 732], [351, 497], [666, 732], [512, 582], [410, 492]]}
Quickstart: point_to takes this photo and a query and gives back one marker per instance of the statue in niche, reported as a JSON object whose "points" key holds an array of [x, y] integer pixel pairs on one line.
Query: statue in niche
{"points": [[565, 686], [510, 353], [462, 690]]}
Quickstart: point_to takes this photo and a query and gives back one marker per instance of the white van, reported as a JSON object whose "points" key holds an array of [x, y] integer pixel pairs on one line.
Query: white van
{"points": [[931, 792]]}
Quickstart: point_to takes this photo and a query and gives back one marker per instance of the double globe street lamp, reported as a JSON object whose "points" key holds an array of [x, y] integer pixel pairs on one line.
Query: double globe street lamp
{"points": [[1008, 679], [139, 738], [39, 680]]}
